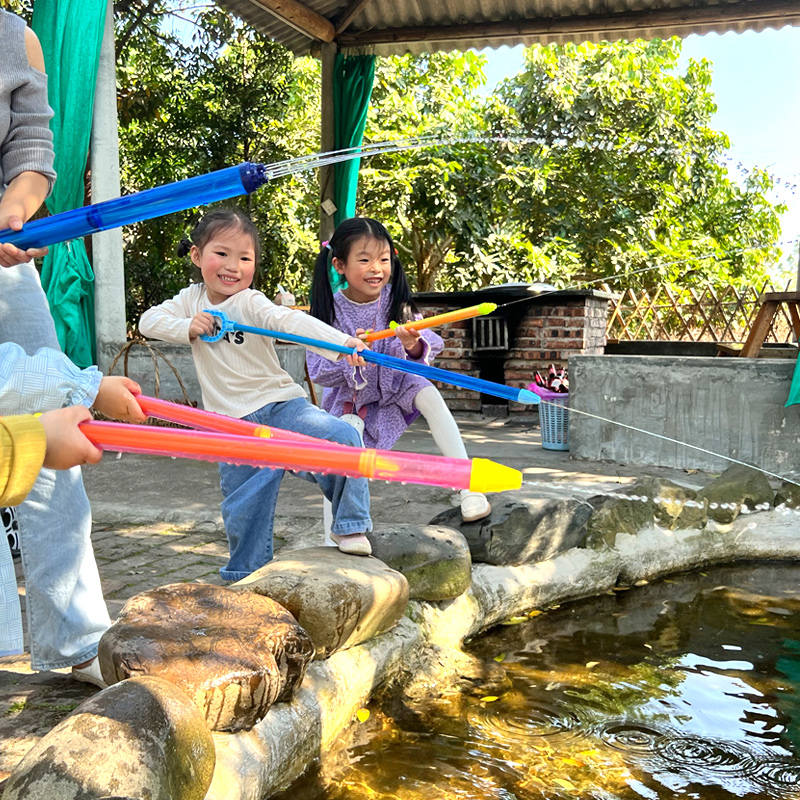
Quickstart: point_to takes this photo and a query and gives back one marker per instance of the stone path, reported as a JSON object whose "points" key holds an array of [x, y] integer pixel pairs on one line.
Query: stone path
{"points": [[157, 522]]}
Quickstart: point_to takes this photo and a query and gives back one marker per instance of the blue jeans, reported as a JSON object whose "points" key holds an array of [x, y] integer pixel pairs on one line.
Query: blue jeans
{"points": [[250, 494], [66, 612]]}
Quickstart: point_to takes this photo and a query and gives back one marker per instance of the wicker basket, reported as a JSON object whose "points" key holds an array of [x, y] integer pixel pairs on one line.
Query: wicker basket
{"points": [[155, 355]]}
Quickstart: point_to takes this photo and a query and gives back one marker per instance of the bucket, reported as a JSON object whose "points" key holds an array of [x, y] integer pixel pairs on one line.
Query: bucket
{"points": [[554, 422], [553, 418]]}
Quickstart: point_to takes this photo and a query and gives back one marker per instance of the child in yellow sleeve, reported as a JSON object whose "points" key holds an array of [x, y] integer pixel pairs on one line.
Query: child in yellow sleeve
{"points": [[28, 442]]}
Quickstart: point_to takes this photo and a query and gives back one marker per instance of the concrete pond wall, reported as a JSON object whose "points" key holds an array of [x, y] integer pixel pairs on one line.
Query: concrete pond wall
{"points": [[729, 406]]}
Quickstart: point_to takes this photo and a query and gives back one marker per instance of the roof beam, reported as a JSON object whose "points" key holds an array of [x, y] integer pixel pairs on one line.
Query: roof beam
{"points": [[749, 11], [349, 14], [301, 18]]}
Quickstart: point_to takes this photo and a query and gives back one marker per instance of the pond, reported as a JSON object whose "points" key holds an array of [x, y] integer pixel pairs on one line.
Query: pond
{"points": [[686, 687]]}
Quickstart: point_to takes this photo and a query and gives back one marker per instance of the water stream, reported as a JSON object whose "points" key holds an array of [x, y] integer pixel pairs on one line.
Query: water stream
{"points": [[685, 687]]}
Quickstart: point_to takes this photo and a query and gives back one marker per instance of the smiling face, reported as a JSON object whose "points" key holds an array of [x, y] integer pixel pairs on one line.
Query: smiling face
{"points": [[367, 269], [227, 262]]}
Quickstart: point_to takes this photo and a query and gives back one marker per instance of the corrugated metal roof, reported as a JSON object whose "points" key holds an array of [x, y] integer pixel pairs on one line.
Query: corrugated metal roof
{"points": [[406, 26]]}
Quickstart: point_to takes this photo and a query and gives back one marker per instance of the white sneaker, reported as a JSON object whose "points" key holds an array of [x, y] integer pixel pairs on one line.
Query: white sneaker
{"points": [[90, 674], [354, 544], [474, 506]]}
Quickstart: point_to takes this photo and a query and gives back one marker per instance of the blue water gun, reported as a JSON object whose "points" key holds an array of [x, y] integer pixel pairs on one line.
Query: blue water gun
{"points": [[432, 373]]}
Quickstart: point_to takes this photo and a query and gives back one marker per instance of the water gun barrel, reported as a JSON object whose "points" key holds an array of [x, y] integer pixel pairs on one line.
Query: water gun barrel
{"points": [[432, 322], [314, 456], [209, 421], [156, 202], [414, 367]]}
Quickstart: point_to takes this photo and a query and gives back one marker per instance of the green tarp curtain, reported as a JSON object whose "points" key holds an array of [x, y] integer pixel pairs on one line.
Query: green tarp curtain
{"points": [[794, 389], [352, 89], [71, 32]]}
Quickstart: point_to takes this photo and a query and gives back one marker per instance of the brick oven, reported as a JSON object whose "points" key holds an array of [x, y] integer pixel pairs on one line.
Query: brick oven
{"points": [[528, 332]]}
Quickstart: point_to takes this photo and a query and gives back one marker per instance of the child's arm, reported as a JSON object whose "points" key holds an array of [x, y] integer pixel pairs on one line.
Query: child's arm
{"points": [[48, 380], [27, 154], [415, 345], [288, 320], [171, 321], [333, 374], [27, 443], [23, 443], [44, 381]]}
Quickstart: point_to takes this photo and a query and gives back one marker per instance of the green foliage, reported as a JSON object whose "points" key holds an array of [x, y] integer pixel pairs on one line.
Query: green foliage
{"points": [[596, 163], [192, 106], [628, 172], [439, 199], [610, 172]]}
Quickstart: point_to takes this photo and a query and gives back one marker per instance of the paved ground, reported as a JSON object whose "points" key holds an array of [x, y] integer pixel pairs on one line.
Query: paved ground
{"points": [[157, 521]]}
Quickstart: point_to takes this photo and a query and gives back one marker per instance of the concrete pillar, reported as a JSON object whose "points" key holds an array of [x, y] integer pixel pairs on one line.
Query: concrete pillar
{"points": [[326, 174], [107, 257]]}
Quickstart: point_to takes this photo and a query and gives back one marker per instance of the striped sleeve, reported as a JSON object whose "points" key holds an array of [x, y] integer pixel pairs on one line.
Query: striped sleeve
{"points": [[44, 381]]}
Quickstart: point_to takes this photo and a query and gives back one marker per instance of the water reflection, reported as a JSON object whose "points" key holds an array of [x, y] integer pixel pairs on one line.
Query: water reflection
{"points": [[687, 687]]}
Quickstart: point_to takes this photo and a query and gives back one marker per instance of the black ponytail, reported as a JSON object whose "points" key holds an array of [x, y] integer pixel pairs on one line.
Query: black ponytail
{"points": [[321, 292]]}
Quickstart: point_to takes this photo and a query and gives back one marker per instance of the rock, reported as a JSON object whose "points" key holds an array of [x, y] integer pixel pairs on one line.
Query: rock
{"points": [[788, 495], [340, 600], [435, 560], [678, 507], [613, 515], [234, 655], [521, 530], [142, 738], [737, 486]]}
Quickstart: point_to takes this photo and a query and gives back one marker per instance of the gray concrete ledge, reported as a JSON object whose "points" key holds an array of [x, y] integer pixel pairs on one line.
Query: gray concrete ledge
{"points": [[731, 407]]}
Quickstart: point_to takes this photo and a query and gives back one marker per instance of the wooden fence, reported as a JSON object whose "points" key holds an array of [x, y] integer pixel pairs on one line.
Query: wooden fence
{"points": [[692, 315]]}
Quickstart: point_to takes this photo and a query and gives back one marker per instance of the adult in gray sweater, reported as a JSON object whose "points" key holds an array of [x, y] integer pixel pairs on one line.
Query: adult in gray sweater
{"points": [[64, 601]]}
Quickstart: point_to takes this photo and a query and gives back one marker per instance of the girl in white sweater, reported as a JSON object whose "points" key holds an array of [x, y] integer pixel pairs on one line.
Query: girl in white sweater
{"points": [[240, 376]]}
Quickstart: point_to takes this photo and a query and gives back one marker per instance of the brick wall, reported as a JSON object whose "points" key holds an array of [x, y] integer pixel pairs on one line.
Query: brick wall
{"points": [[545, 333]]}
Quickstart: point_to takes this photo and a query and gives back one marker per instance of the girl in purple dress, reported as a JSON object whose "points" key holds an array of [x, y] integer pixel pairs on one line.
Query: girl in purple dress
{"points": [[359, 285]]}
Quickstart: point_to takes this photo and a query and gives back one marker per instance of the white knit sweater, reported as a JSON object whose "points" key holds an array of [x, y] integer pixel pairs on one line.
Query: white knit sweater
{"points": [[240, 373]]}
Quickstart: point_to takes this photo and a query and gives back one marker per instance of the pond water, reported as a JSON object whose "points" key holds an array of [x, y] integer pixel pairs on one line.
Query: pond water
{"points": [[685, 687]]}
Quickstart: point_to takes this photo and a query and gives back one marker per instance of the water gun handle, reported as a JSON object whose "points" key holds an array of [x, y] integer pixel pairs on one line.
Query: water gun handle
{"points": [[225, 326]]}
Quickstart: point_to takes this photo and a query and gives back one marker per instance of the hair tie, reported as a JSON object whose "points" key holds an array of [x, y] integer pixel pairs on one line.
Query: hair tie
{"points": [[328, 245], [184, 247]]}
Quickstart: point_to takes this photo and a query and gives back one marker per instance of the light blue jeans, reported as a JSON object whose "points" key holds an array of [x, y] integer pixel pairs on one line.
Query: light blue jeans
{"points": [[250, 494], [66, 613]]}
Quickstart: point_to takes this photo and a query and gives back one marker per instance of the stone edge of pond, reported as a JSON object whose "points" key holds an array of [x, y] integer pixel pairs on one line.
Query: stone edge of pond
{"points": [[260, 762]]}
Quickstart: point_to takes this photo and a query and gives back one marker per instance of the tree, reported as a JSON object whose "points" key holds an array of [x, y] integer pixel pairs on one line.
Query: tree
{"points": [[191, 105], [435, 199], [627, 175], [609, 171]]}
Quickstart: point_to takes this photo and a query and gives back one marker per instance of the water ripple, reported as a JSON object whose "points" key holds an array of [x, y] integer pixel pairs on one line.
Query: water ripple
{"points": [[707, 754], [632, 737], [779, 776], [517, 726]]}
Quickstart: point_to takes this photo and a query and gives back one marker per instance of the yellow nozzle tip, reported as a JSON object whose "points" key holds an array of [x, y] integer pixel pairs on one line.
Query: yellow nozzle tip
{"points": [[489, 476], [487, 308], [393, 325], [263, 431]]}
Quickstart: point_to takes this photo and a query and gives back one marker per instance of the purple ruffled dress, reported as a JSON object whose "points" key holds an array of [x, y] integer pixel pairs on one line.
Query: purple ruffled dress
{"points": [[383, 397]]}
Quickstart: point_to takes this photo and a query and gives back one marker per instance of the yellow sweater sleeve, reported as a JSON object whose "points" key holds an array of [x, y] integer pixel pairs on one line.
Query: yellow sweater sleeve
{"points": [[22, 447]]}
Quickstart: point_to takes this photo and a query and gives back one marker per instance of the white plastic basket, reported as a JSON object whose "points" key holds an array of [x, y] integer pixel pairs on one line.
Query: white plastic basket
{"points": [[554, 422]]}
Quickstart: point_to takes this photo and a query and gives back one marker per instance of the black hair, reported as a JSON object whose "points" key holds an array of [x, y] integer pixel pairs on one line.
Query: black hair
{"points": [[217, 221], [402, 307]]}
